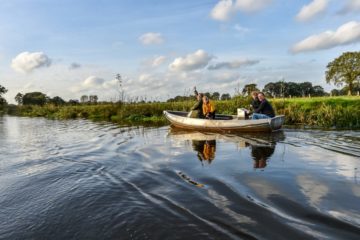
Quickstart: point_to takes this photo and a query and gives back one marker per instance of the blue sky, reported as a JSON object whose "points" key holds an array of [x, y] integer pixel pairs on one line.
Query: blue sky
{"points": [[164, 48]]}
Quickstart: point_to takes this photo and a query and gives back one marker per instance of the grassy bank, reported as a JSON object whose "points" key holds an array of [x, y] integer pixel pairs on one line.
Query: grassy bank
{"points": [[327, 112]]}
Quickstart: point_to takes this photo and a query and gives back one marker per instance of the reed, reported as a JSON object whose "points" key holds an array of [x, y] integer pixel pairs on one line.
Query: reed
{"points": [[325, 112]]}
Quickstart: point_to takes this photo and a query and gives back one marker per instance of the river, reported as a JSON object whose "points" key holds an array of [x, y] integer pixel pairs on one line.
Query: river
{"points": [[83, 180]]}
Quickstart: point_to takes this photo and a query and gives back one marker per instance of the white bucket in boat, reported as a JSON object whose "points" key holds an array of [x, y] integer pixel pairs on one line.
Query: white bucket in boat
{"points": [[241, 113]]}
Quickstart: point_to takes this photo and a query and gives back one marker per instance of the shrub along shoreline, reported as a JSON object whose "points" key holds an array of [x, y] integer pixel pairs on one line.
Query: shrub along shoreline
{"points": [[323, 112]]}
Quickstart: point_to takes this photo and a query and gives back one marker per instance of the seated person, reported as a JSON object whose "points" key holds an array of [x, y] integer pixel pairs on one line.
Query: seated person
{"points": [[255, 103], [198, 106], [264, 110], [208, 108]]}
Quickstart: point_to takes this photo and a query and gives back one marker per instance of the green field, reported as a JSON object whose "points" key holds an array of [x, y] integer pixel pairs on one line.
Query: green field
{"points": [[326, 112]]}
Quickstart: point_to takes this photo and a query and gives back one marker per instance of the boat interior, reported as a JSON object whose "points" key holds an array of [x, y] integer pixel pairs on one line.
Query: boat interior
{"points": [[217, 116]]}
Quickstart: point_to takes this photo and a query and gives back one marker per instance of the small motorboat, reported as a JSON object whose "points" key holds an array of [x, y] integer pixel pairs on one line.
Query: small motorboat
{"points": [[224, 123]]}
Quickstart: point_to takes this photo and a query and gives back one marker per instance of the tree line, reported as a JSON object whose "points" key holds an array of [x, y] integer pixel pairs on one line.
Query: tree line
{"points": [[39, 98], [214, 96], [272, 90]]}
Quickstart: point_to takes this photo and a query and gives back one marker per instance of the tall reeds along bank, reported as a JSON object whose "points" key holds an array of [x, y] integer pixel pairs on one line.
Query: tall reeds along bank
{"points": [[101, 112], [127, 113], [325, 112]]}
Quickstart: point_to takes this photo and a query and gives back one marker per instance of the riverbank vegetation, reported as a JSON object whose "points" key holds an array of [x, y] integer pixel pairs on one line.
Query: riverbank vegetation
{"points": [[326, 112]]}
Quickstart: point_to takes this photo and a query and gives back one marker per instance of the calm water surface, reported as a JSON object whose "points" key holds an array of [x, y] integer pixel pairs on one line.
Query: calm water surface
{"points": [[84, 180]]}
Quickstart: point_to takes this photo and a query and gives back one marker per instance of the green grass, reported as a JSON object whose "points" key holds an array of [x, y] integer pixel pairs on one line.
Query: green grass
{"points": [[325, 112]]}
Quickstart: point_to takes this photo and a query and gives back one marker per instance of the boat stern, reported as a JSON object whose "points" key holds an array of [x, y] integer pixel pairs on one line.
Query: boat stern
{"points": [[277, 122]]}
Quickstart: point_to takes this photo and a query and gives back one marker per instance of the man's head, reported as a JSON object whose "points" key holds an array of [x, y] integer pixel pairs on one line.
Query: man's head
{"points": [[261, 96], [199, 96], [205, 99], [254, 94]]}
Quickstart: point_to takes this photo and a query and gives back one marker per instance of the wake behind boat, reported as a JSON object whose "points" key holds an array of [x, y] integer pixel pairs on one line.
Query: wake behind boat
{"points": [[228, 123]]}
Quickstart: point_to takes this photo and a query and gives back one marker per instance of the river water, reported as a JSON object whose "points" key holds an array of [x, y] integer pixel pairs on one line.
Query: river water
{"points": [[83, 180]]}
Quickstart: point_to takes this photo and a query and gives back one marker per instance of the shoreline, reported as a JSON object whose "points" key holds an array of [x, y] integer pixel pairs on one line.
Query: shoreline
{"points": [[319, 112]]}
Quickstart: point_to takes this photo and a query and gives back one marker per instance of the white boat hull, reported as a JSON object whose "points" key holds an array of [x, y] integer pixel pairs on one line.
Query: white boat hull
{"points": [[232, 123]]}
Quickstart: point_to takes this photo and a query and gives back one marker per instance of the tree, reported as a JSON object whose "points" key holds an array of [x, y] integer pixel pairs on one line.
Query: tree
{"points": [[270, 89], [225, 96], [292, 89], [73, 102], [215, 96], [84, 98], [19, 98], [344, 70], [93, 98], [306, 88], [34, 98], [355, 90], [318, 91], [276, 89], [57, 101], [248, 88], [3, 90], [335, 92]]}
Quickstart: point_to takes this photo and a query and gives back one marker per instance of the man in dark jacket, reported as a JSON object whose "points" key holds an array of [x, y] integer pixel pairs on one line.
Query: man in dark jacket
{"points": [[264, 110]]}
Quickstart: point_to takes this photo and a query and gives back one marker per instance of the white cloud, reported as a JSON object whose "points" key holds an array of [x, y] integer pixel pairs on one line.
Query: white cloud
{"points": [[351, 6], [345, 34], [312, 10], [26, 62], [251, 5], [151, 38], [233, 65], [193, 61], [241, 29], [157, 61], [92, 82], [112, 84], [145, 78], [222, 10]]}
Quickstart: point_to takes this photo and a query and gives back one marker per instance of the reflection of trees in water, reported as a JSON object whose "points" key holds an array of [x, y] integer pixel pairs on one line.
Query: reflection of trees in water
{"points": [[205, 149]]}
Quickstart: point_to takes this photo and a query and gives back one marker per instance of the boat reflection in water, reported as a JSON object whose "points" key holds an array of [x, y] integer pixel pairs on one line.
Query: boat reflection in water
{"points": [[261, 145], [205, 149], [261, 154]]}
